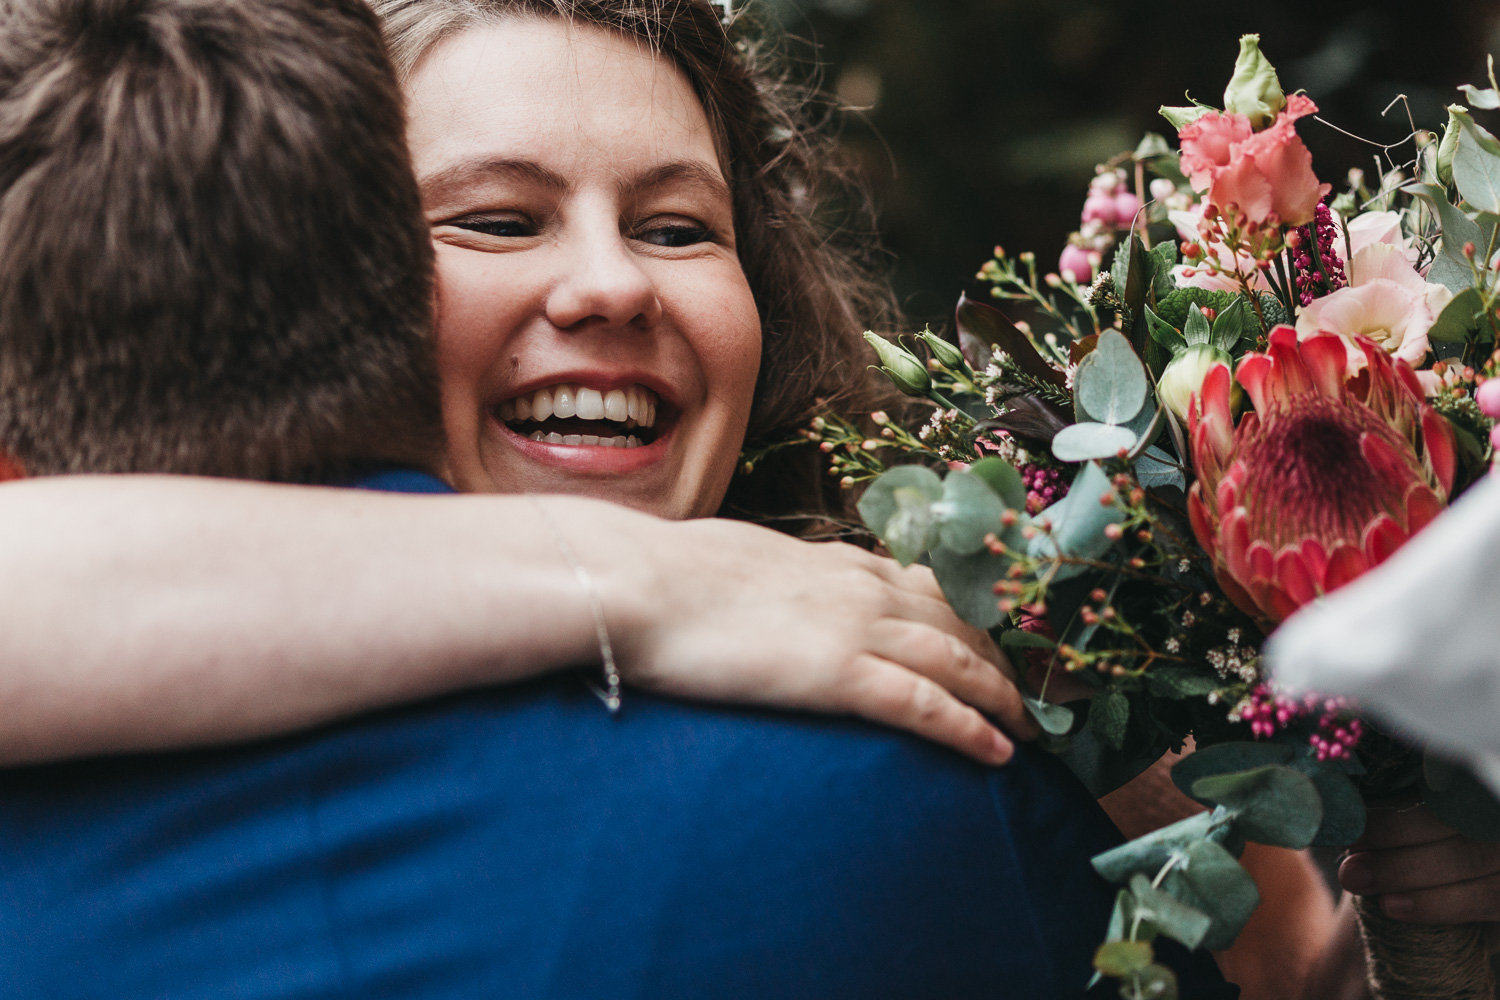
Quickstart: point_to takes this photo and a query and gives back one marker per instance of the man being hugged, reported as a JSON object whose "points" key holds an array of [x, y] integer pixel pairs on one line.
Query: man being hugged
{"points": [[212, 262]]}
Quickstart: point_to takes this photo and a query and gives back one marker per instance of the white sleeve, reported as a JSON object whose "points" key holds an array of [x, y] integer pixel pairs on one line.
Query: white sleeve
{"points": [[1417, 641]]}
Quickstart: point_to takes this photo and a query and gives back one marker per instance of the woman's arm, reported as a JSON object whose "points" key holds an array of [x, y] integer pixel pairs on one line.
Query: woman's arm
{"points": [[151, 612]]}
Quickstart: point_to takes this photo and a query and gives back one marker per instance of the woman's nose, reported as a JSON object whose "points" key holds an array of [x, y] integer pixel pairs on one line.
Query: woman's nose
{"points": [[602, 281]]}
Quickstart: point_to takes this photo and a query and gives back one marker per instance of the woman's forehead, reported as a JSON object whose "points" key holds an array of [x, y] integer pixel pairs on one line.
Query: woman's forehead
{"points": [[552, 89]]}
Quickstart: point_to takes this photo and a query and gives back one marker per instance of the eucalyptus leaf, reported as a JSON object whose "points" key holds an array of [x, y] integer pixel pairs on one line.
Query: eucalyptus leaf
{"points": [[1146, 427], [1457, 798], [1155, 468], [968, 581], [969, 511], [1455, 275], [1227, 758], [1078, 521], [1145, 855], [1003, 478], [1476, 168], [1089, 441], [1158, 982], [1458, 228], [1123, 958], [1275, 804], [1196, 329], [1054, 719], [1459, 319], [1212, 881], [898, 508], [1174, 918], [1343, 806], [1110, 385]]}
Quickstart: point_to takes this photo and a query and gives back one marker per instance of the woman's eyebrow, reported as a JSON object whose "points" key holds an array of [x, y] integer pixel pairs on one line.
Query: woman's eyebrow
{"points": [[689, 172], [456, 176]]}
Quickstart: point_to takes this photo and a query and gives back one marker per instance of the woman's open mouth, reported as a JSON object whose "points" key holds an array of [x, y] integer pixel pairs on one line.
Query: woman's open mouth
{"points": [[578, 416]]}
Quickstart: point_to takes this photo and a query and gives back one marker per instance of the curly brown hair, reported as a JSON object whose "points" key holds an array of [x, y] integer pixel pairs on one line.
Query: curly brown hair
{"points": [[816, 278]]}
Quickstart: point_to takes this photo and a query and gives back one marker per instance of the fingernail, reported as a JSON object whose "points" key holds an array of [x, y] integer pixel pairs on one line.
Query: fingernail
{"points": [[1397, 907], [1356, 876], [1000, 749]]}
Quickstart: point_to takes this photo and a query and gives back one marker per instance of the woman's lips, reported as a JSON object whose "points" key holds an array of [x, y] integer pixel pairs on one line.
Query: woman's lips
{"points": [[586, 429]]}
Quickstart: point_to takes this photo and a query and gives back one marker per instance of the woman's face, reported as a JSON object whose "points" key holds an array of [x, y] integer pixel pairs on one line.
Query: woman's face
{"points": [[595, 332]]}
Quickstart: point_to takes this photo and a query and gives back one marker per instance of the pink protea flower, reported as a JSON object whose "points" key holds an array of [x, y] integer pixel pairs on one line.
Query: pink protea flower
{"points": [[1328, 477]]}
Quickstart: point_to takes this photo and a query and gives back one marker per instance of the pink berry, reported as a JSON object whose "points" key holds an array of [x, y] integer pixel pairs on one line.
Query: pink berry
{"points": [[1126, 205], [1495, 437], [1075, 264], [1100, 208], [1488, 398]]}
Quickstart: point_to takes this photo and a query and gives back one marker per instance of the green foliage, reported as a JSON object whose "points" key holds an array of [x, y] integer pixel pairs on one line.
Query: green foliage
{"points": [[1209, 879], [1168, 914], [969, 510], [1078, 523], [1273, 804], [1110, 385], [1123, 958], [1460, 319], [898, 508], [1055, 720], [1003, 478], [1173, 308], [967, 582], [1476, 168], [1109, 715]]}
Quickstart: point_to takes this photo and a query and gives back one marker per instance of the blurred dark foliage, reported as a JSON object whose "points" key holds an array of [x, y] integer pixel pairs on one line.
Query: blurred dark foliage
{"points": [[985, 117]]}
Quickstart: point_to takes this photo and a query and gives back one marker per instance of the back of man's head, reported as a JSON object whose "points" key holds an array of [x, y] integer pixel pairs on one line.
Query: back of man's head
{"points": [[212, 256]]}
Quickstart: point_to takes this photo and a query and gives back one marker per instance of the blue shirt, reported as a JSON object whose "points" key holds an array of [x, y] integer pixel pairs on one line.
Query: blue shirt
{"points": [[522, 843]]}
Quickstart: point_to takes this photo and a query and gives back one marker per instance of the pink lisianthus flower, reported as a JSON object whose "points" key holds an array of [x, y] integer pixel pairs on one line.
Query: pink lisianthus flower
{"points": [[1264, 176], [1386, 302], [1370, 228]]}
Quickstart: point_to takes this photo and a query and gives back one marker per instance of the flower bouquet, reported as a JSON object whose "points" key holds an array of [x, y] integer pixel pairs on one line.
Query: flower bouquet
{"points": [[1244, 397]]}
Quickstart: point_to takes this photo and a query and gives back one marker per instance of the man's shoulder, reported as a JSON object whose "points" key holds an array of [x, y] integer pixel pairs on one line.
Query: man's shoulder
{"points": [[770, 854]]}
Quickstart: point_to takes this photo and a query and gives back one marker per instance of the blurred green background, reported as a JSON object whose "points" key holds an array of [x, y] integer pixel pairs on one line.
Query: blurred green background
{"points": [[984, 118]]}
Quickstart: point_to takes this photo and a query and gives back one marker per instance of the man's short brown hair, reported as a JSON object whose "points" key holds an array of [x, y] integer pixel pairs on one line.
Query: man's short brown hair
{"points": [[212, 256]]}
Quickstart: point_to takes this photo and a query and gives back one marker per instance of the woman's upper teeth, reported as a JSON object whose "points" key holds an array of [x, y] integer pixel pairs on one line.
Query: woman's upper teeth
{"points": [[632, 406]]}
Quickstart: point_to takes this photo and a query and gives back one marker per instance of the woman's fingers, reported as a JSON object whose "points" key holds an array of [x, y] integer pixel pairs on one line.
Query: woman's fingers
{"points": [[892, 695], [943, 657], [1444, 881], [1422, 870]]}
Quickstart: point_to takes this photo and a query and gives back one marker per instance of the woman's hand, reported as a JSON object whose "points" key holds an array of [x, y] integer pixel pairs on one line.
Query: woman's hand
{"points": [[1421, 868], [739, 613]]}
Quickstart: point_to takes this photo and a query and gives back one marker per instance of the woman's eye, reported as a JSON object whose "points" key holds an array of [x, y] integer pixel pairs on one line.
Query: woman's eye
{"points": [[674, 234], [505, 226]]}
